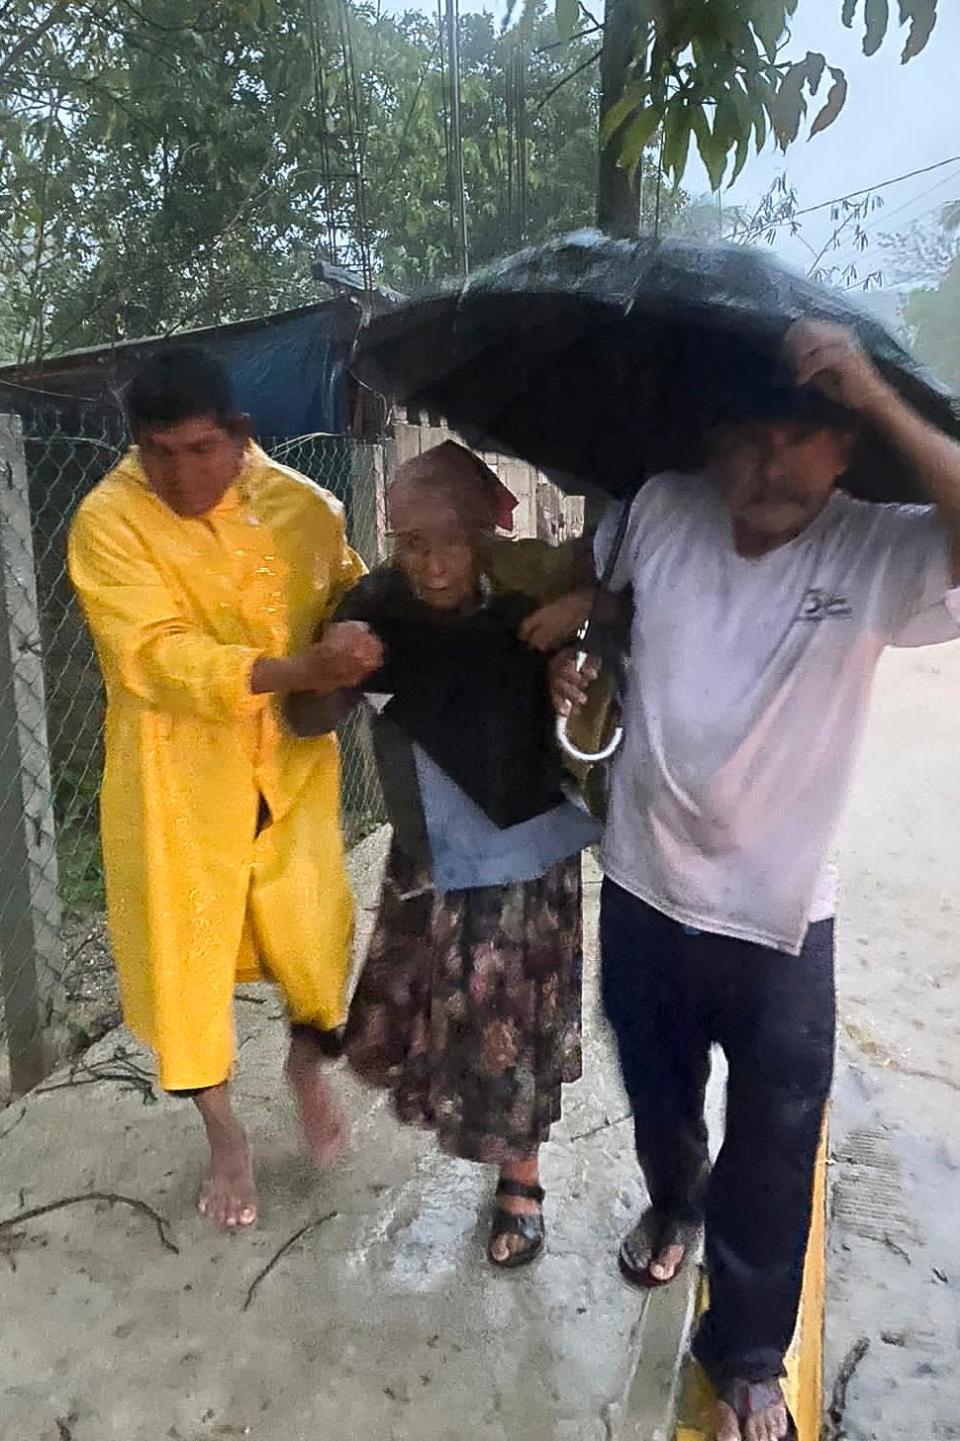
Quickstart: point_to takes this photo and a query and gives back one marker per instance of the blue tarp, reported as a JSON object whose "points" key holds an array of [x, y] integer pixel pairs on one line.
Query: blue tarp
{"points": [[290, 375], [289, 371]]}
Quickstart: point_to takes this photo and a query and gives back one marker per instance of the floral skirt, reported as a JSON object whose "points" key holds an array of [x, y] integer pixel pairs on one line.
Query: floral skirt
{"points": [[468, 1008]]}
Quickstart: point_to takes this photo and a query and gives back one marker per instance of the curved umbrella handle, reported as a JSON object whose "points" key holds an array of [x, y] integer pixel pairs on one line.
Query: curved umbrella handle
{"points": [[567, 745]]}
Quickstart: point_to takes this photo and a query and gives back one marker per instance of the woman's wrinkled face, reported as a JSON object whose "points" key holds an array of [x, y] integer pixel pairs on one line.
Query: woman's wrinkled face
{"points": [[434, 549]]}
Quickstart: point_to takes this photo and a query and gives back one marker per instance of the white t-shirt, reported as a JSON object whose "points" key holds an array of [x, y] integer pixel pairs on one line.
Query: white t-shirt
{"points": [[747, 694]]}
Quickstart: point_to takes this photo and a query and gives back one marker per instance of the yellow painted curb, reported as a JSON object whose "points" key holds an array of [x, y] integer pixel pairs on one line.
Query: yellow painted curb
{"points": [[804, 1363]]}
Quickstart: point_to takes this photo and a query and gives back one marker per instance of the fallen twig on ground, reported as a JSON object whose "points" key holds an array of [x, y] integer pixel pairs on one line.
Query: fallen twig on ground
{"points": [[897, 1249], [4, 1133], [834, 1428], [119, 1067], [292, 1241], [112, 1198], [922, 1075], [603, 1126], [874, 1050]]}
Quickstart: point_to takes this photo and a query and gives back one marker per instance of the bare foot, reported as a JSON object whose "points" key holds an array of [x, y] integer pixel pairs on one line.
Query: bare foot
{"points": [[656, 1248], [228, 1196], [527, 1172], [325, 1125], [752, 1413], [667, 1263]]}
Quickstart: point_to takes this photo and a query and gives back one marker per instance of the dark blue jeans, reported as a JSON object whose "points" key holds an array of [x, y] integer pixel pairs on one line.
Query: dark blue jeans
{"points": [[669, 994]]}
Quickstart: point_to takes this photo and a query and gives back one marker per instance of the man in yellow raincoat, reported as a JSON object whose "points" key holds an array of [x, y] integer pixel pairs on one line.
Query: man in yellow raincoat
{"points": [[203, 569]]}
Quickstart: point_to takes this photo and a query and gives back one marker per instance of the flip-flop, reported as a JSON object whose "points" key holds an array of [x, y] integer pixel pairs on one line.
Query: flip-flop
{"points": [[530, 1226], [746, 1398], [658, 1232]]}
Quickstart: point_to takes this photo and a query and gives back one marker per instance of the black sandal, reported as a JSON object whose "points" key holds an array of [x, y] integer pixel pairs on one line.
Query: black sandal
{"points": [[657, 1232], [529, 1227], [746, 1398]]}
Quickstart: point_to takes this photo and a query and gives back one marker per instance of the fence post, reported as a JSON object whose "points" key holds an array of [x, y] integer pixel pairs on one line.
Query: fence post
{"points": [[30, 958]]}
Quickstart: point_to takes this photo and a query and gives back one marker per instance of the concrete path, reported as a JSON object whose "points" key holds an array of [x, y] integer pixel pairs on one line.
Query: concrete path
{"points": [[382, 1321]]}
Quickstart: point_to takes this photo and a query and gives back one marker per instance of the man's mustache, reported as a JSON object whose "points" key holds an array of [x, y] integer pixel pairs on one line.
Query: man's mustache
{"points": [[776, 495]]}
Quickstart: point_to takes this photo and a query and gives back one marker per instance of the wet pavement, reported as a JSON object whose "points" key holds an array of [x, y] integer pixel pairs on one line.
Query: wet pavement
{"points": [[382, 1320]]}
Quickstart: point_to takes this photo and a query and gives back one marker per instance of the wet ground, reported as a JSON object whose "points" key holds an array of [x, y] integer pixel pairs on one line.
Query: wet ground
{"points": [[380, 1319], [895, 1232]]}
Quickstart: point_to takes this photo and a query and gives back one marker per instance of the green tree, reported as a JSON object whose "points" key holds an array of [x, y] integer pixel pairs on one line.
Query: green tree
{"points": [[933, 318], [717, 72], [529, 116], [931, 254], [170, 163]]}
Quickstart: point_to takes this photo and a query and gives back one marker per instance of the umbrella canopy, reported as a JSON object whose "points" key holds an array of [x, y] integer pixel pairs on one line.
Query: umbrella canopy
{"points": [[604, 361]]}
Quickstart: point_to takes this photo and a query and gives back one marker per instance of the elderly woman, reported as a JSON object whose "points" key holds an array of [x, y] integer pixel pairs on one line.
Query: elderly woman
{"points": [[468, 1007]]}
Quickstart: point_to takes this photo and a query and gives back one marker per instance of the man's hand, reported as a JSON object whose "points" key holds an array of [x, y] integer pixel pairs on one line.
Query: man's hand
{"points": [[347, 654], [831, 359], [568, 685], [558, 622]]}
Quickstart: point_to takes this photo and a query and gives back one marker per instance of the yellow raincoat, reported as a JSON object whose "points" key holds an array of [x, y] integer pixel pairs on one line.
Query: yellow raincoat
{"points": [[180, 609]]}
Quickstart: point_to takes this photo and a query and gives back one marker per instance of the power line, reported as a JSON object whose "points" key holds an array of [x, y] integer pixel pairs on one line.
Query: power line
{"points": [[880, 185], [849, 251]]}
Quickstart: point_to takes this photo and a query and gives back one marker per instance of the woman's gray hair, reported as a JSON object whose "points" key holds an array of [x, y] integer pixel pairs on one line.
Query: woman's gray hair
{"points": [[459, 479]]}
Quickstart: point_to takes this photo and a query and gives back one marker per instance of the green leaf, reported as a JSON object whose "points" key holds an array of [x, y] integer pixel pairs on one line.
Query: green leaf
{"points": [[922, 15], [770, 22], [741, 156], [787, 106], [630, 101], [712, 147], [636, 138], [760, 128], [876, 15], [676, 142], [762, 99], [816, 64], [836, 98], [568, 16]]}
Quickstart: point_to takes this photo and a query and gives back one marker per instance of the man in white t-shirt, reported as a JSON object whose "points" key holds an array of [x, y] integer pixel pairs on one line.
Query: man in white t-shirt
{"points": [[764, 597]]}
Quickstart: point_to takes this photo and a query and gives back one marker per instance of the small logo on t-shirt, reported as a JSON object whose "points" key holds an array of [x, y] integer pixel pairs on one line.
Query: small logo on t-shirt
{"points": [[821, 605]]}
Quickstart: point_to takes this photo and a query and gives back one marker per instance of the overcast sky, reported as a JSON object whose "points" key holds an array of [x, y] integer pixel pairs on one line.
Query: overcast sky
{"points": [[897, 118]]}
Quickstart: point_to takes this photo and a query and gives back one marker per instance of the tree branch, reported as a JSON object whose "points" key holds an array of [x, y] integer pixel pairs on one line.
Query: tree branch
{"points": [[57, 13], [565, 79]]}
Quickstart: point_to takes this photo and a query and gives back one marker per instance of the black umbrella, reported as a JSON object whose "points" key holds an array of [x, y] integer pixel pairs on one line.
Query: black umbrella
{"points": [[605, 361]]}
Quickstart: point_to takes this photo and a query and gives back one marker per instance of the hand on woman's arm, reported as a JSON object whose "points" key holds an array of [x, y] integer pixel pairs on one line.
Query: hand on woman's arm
{"points": [[556, 623], [348, 652]]}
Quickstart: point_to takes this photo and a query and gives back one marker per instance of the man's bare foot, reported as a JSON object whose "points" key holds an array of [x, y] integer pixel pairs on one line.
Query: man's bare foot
{"points": [[752, 1412], [325, 1125], [654, 1251], [228, 1196]]}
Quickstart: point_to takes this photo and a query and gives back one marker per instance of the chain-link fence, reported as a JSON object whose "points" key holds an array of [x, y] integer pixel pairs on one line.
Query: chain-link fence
{"points": [[58, 987]]}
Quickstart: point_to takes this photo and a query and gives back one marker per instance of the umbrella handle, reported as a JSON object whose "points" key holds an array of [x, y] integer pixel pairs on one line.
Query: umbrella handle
{"points": [[567, 745]]}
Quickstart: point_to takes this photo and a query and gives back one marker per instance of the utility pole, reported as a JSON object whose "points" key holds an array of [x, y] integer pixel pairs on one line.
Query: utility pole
{"points": [[456, 139]]}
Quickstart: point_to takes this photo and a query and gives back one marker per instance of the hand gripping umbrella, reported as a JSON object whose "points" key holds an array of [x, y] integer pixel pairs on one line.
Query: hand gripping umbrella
{"points": [[604, 361]]}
